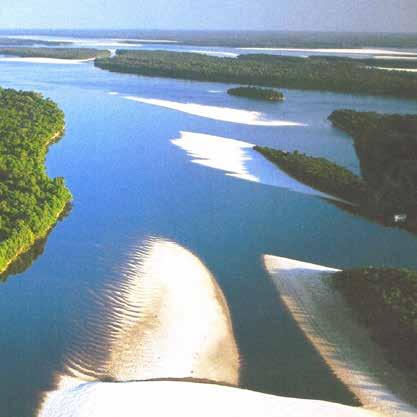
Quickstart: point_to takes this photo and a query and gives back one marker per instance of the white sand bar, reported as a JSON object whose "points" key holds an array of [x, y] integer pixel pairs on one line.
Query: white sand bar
{"points": [[345, 345], [224, 114], [397, 69], [238, 159], [359, 51], [35, 60], [183, 399]]}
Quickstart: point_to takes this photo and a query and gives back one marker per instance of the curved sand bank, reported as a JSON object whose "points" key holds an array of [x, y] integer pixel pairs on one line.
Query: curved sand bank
{"points": [[165, 318], [345, 345], [224, 114], [35, 60], [238, 159], [183, 399]]}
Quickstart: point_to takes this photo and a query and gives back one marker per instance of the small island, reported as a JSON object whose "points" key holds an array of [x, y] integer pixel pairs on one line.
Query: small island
{"points": [[385, 301], [266, 94], [31, 202], [56, 53]]}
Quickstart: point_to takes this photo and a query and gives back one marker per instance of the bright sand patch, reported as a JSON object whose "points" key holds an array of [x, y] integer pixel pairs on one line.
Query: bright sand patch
{"points": [[335, 51], [35, 60], [183, 399], [345, 345], [224, 114], [397, 69], [238, 159], [214, 53]]}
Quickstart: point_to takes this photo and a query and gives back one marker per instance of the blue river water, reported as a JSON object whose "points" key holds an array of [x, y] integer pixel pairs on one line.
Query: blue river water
{"points": [[130, 182]]}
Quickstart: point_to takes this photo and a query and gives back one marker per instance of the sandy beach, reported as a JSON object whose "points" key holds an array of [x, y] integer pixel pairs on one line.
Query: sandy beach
{"points": [[345, 345], [224, 114], [238, 159]]}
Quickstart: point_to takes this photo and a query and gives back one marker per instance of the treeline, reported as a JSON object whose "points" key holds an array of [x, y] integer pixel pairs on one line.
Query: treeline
{"points": [[30, 42], [318, 173], [265, 70], [266, 94], [30, 201], [386, 146], [385, 300], [59, 53]]}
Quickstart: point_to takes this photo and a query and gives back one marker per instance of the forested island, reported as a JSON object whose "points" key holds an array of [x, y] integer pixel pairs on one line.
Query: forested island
{"points": [[57, 53], [31, 202], [385, 301], [30, 42], [256, 93], [266, 71], [318, 173]]}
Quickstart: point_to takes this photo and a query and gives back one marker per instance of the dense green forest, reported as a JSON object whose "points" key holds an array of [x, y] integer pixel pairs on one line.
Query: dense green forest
{"points": [[318, 173], [60, 53], [30, 201], [262, 70], [386, 145], [267, 94], [385, 300]]}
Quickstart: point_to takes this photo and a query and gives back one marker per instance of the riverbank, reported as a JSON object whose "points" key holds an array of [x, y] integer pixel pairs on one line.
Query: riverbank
{"points": [[345, 345], [31, 201]]}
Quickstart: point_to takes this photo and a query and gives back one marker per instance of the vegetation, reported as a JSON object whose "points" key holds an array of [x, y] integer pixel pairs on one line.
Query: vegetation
{"points": [[257, 93], [30, 201], [386, 146], [265, 70], [30, 42], [385, 299], [60, 53], [318, 173]]}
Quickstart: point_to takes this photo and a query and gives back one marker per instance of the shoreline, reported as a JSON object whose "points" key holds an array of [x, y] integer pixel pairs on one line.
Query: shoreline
{"points": [[25, 248], [345, 345]]}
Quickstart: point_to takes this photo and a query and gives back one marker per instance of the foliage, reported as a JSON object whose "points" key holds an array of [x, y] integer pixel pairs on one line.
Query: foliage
{"points": [[30, 201], [257, 93], [318, 173], [265, 70], [59, 53], [386, 301], [386, 145]]}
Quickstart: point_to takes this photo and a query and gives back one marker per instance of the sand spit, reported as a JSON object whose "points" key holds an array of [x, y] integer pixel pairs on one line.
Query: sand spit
{"points": [[397, 69], [323, 315], [56, 61], [238, 159], [359, 51], [214, 53], [224, 114], [184, 399], [165, 318]]}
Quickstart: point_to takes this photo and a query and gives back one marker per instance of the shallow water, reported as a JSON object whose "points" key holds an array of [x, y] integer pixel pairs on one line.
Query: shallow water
{"points": [[130, 182]]}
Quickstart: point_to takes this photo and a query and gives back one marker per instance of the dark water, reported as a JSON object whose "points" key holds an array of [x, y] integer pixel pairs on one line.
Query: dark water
{"points": [[129, 182]]}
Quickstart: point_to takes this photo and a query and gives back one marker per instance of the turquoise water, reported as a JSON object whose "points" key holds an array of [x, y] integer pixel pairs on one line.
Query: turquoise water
{"points": [[130, 182]]}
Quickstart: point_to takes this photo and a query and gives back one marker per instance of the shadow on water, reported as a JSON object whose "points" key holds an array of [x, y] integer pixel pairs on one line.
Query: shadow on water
{"points": [[26, 259]]}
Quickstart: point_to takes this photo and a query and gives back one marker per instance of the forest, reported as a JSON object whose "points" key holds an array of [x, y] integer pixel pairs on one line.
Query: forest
{"points": [[256, 93], [386, 146], [265, 70], [384, 300], [58, 53], [30, 201]]}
